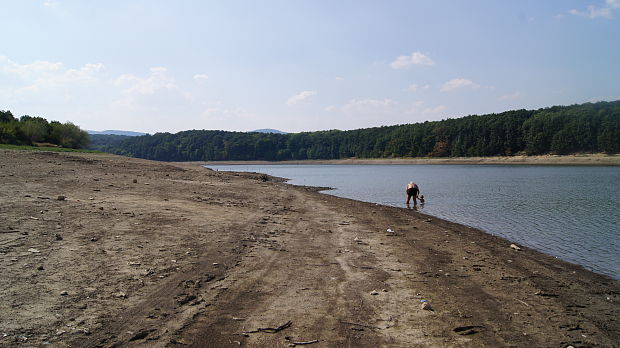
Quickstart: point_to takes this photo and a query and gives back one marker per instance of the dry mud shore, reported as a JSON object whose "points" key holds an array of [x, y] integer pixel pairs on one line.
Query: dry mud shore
{"points": [[104, 251], [555, 160]]}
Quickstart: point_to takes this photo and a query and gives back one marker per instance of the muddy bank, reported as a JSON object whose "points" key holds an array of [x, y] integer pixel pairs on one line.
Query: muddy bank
{"points": [[100, 250], [575, 160]]}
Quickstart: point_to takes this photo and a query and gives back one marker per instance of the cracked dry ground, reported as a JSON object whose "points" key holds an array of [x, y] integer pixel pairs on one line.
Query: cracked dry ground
{"points": [[152, 254]]}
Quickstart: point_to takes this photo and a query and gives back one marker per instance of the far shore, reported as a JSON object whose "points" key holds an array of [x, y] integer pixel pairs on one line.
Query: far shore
{"points": [[573, 160]]}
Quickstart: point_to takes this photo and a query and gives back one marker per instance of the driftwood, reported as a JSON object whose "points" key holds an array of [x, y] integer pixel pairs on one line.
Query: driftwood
{"points": [[293, 344], [271, 329], [522, 302], [362, 325]]}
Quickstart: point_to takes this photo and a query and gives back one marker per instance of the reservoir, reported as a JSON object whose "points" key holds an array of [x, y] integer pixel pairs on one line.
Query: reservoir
{"points": [[572, 212]]}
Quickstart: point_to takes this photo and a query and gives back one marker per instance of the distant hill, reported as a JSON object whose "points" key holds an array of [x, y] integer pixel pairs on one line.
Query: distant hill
{"points": [[117, 132], [107, 142], [268, 130]]}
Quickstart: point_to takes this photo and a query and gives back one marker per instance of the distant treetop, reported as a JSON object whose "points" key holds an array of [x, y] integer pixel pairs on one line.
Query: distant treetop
{"points": [[585, 128]]}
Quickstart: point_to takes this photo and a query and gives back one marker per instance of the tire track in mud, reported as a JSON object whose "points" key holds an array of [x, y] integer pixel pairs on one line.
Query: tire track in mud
{"points": [[313, 284]]}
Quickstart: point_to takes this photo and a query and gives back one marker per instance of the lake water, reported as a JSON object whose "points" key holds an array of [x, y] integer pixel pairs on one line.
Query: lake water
{"points": [[572, 212]]}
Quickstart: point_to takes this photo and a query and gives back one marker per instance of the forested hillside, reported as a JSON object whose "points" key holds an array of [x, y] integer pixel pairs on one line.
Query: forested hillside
{"points": [[585, 128], [29, 130]]}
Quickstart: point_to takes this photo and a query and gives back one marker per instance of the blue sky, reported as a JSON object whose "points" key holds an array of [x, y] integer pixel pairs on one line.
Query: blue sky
{"points": [[155, 66]]}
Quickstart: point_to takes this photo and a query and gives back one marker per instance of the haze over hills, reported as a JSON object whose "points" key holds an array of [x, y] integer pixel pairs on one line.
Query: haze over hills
{"points": [[268, 130], [117, 132], [135, 134]]}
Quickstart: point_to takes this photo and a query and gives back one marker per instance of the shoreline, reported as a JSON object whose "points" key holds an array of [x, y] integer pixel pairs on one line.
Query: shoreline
{"points": [[325, 189], [570, 160], [145, 253]]}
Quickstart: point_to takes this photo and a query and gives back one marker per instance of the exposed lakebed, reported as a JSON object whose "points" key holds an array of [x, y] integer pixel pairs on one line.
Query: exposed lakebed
{"points": [[567, 211]]}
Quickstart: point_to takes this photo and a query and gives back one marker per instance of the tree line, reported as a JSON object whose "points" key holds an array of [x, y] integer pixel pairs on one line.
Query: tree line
{"points": [[28, 130], [584, 128]]}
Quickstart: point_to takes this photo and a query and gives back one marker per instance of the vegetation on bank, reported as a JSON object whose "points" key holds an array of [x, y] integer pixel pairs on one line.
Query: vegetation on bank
{"points": [[585, 128], [28, 131], [44, 148]]}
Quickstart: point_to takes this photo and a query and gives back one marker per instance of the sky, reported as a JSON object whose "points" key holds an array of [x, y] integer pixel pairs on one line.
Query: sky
{"points": [[300, 65]]}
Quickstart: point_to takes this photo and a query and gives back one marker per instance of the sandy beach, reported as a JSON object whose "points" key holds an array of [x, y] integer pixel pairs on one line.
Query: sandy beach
{"points": [[98, 250]]}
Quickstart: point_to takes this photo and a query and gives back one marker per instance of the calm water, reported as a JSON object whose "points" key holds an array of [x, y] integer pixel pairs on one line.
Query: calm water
{"points": [[569, 212]]}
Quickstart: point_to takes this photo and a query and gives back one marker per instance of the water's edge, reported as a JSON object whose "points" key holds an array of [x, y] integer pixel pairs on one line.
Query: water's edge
{"points": [[325, 190]]}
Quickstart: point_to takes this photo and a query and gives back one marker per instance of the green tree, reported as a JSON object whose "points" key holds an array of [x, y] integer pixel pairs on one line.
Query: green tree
{"points": [[69, 135]]}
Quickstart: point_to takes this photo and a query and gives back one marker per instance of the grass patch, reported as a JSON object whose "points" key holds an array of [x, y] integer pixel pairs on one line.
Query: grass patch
{"points": [[43, 148]]}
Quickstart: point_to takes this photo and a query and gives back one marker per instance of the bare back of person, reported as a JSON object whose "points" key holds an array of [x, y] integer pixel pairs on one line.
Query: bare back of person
{"points": [[412, 191]]}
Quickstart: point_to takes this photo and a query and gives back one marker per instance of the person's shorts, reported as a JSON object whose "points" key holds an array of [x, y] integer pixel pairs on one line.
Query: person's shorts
{"points": [[412, 191]]}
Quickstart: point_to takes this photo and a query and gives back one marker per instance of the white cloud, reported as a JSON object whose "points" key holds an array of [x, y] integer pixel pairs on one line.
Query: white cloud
{"points": [[416, 58], [458, 83], [511, 96], [90, 97], [28, 70], [593, 12], [50, 3], [201, 77], [155, 81], [339, 78], [43, 80], [330, 108], [415, 87], [298, 98]]}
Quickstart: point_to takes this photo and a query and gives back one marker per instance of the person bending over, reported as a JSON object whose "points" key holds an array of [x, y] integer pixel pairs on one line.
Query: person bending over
{"points": [[412, 191]]}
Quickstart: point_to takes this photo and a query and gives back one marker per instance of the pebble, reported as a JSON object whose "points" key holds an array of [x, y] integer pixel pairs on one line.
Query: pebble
{"points": [[515, 247], [61, 198], [64, 293], [374, 292], [120, 294], [85, 331]]}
